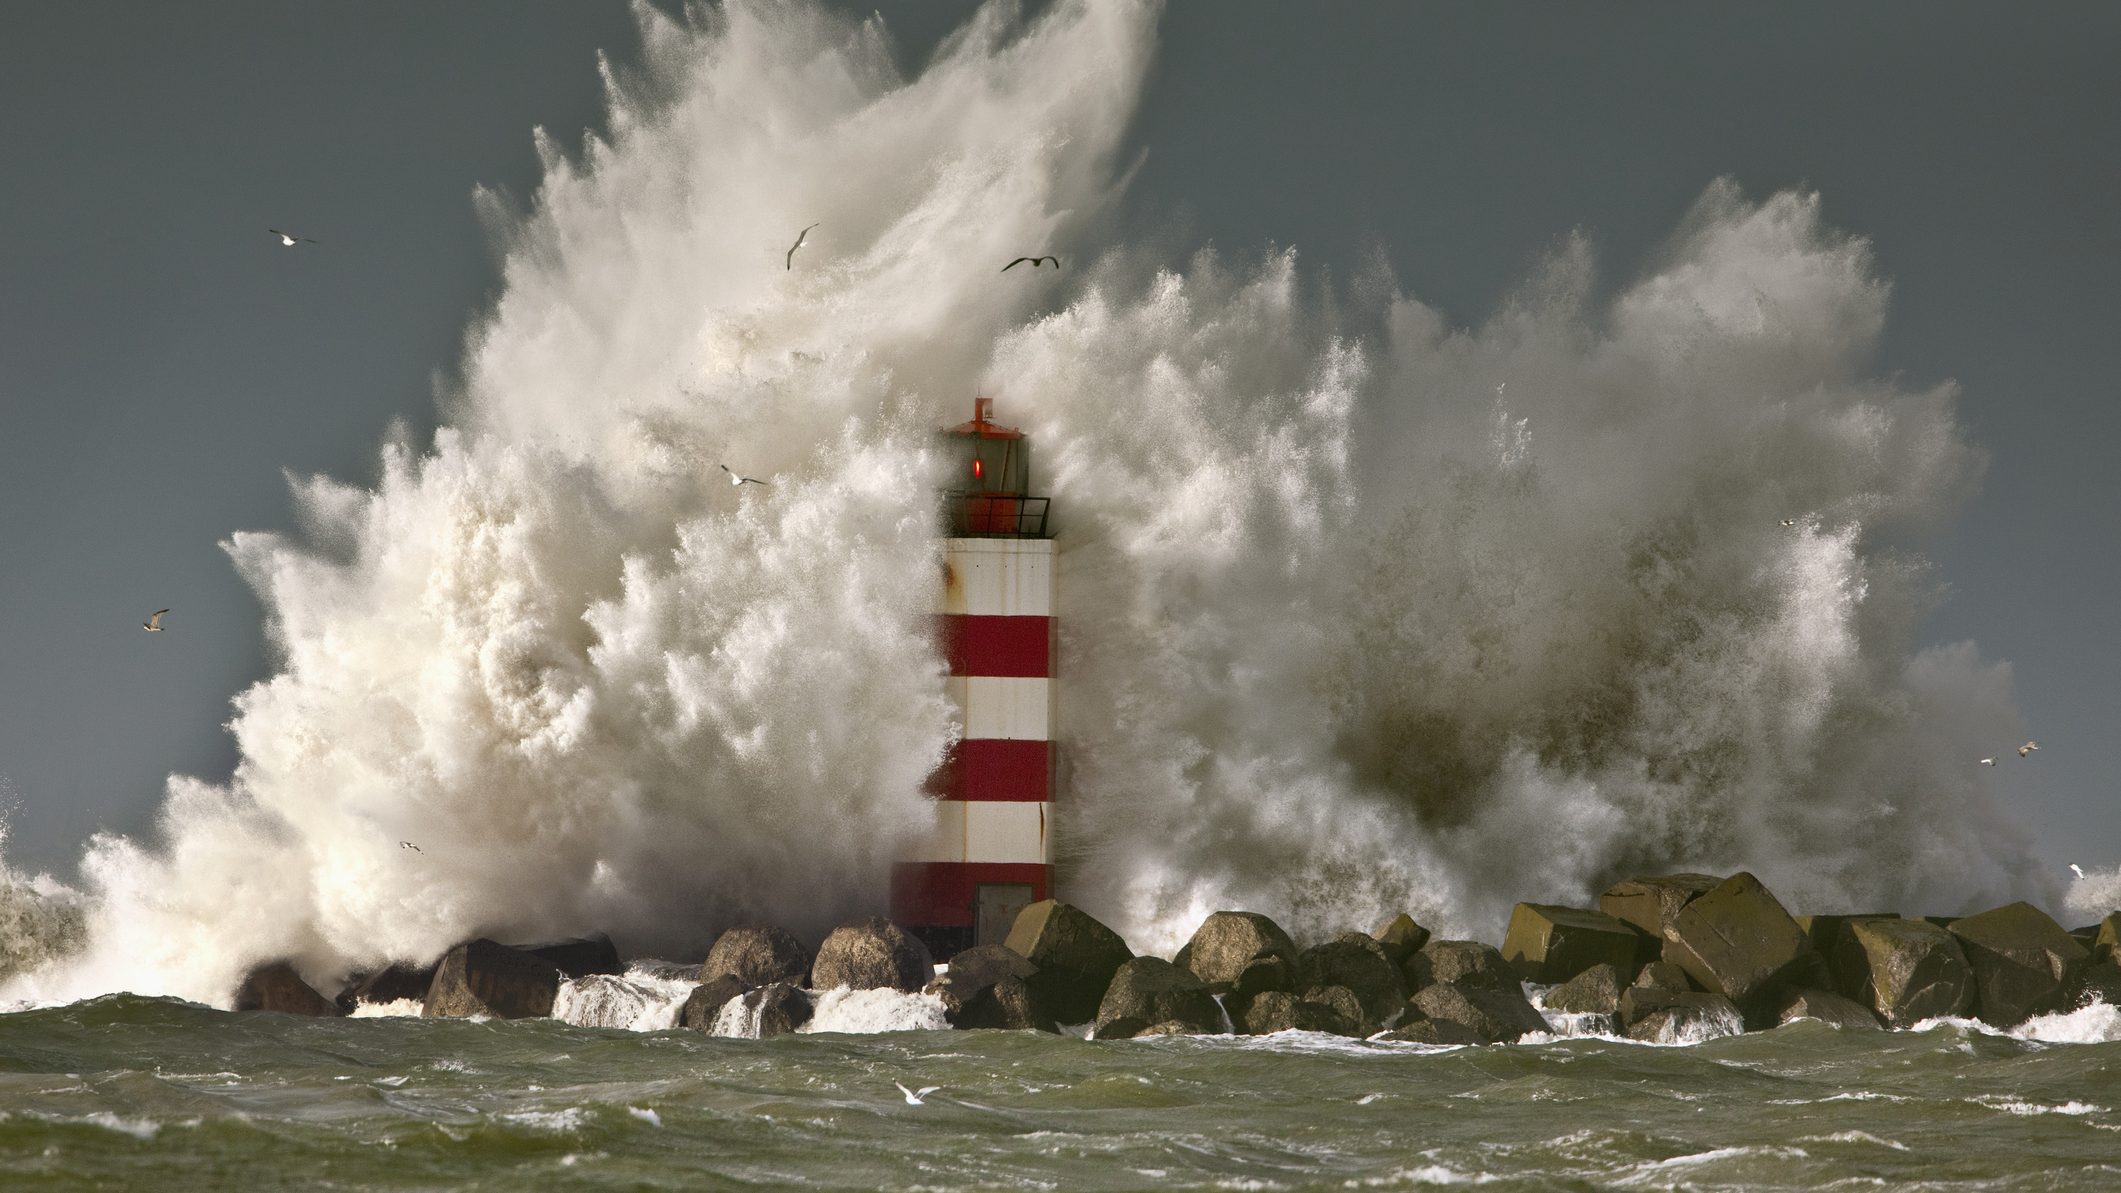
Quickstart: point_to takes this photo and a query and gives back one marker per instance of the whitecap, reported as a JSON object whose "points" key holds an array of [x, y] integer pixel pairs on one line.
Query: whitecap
{"points": [[869, 1011]]}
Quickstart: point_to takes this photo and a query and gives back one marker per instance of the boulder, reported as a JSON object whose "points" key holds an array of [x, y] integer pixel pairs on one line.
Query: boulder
{"points": [[1494, 1014], [1906, 970], [1640, 1002], [2024, 963], [2100, 982], [1359, 963], [1434, 1031], [2105, 940], [1457, 963], [1240, 954], [1277, 1010], [1663, 975], [277, 987], [1828, 1008], [1076, 958], [1147, 991], [1170, 1027], [1660, 1017], [779, 1008], [579, 956], [871, 954], [1400, 936], [1549, 944], [394, 983], [1829, 937], [483, 977], [1737, 941], [988, 987], [1595, 991], [1650, 903], [1343, 1002], [756, 955], [704, 1005]]}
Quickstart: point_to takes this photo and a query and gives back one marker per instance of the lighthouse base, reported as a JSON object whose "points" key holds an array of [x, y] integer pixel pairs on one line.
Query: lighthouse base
{"points": [[953, 906]]}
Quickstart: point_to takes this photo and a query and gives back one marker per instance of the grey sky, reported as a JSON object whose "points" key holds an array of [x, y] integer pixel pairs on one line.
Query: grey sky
{"points": [[162, 361]]}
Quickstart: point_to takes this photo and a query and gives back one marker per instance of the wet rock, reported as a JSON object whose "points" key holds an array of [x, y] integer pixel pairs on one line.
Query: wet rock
{"points": [[989, 986], [2100, 982], [1829, 1008], [779, 1008], [1663, 975], [1434, 1031], [1170, 1027], [1495, 1014], [1661, 1017], [1240, 954], [756, 955], [2107, 938], [1076, 958], [392, 984], [1150, 990], [871, 954], [277, 987], [1278, 1010], [483, 977], [1650, 903], [2024, 963], [1595, 991], [1343, 1002], [1360, 964], [1829, 937], [704, 1005], [1737, 941], [1401, 937], [1549, 944], [1457, 963], [579, 956], [1906, 970]]}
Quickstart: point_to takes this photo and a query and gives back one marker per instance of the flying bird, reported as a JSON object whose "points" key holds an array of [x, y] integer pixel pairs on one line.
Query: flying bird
{"points": [[1789, 521], [411, 846], [2028, 748], [153, 624], [1034, 262], [734, 479], [2076, 869], [914, 1097], [289, 239], [800, 237], [1988, 762]]}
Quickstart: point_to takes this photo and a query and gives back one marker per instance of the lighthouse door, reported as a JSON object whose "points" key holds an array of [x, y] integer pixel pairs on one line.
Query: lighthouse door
{"points": [[994, 908]]}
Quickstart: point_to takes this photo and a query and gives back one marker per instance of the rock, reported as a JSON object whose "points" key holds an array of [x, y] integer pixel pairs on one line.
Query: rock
{"points": [[1076, 958], [779, 1008], [1170, 1027], [1342, 1002], [1650, 903], [1434, 1031], [704, 1005], [871, 954], [1737, 941], [1640, 1002], [2100, 982], [1595, 991], [277, 987], [757, 955], [1549, 944], [1401, 937], [1663, 975], [1278, 1010], [2106, 940], [1906, 970], [1359, 963], [579, 956], [1494, 1014], [988, 987], [393, 984], [1828, 1008], [1457, 963], [2024, 963], [1240, 954], [482, 977], [1829, 937], [1661, 1017], [1150, 990]]}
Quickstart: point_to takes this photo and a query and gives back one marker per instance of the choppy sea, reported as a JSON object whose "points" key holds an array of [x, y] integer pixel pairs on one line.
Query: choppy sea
{"points": [[124, 1092]]}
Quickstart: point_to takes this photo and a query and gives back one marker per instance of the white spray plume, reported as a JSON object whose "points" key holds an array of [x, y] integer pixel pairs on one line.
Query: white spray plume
{"points": [[2093, 894], [1345, 629]]}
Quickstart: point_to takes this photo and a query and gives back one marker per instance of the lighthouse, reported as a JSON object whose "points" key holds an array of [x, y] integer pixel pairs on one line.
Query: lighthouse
{"points": [[989, 854]]}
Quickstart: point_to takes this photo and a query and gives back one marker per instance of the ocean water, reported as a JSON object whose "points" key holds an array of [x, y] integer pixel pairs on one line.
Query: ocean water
{"points": [[131, 1092]]}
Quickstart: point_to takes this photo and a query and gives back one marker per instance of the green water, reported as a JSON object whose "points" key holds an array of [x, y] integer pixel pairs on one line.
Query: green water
{"points": [[126, 1092]]}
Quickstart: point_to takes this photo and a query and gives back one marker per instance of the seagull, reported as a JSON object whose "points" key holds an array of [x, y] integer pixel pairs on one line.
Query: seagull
{"points": [[1988, 762], [1500, 388], [2076, 869], [153, 624], [289, 239], [1789, 521], [1033, 260], [734, 479], [2028, 748], [800, 237], [411, 846], [914, 1096]]}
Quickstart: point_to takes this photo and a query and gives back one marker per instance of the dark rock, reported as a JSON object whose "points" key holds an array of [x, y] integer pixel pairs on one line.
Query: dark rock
{"points": [[781, 1008], [1170, 1027], [704, 1005], [1549, 944], [1640, 1002], [579, 956], [1495, 1014], [1737, 941], [2104, 941], [1076, 958], [1906, 970], [482, 977], [1240, 954], [1359, 963], [1829, 935], [757, 955], [989, 986], [1663, 975], [1828, 1008], [1650, 903], [871, 954], [1434, 1031], [1401, 937], [2024, 963], [277, 987], [1342, 1002], [1458, 963], [1595, 991], [2100, 982], [1277, 1010], [1661, 1017], [393, 984], [1150, 990]]}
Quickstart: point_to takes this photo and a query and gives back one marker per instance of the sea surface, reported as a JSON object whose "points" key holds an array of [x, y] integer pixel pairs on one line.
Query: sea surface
{"points": [[124, 1092]]}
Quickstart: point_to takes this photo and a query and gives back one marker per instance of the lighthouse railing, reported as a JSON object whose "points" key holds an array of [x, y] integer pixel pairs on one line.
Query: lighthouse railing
{"points": [[995, 515]]}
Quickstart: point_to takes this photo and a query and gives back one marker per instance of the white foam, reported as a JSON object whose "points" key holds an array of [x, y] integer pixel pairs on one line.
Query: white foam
{"points": [[2025, 1108], [871, 1011], [636, 1001], [2093, 1023], [397, 1008], [645, 1115]]}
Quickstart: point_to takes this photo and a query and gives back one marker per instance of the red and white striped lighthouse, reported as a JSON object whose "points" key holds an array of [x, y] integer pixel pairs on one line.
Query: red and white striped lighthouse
{"points": [[988, 856]]}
